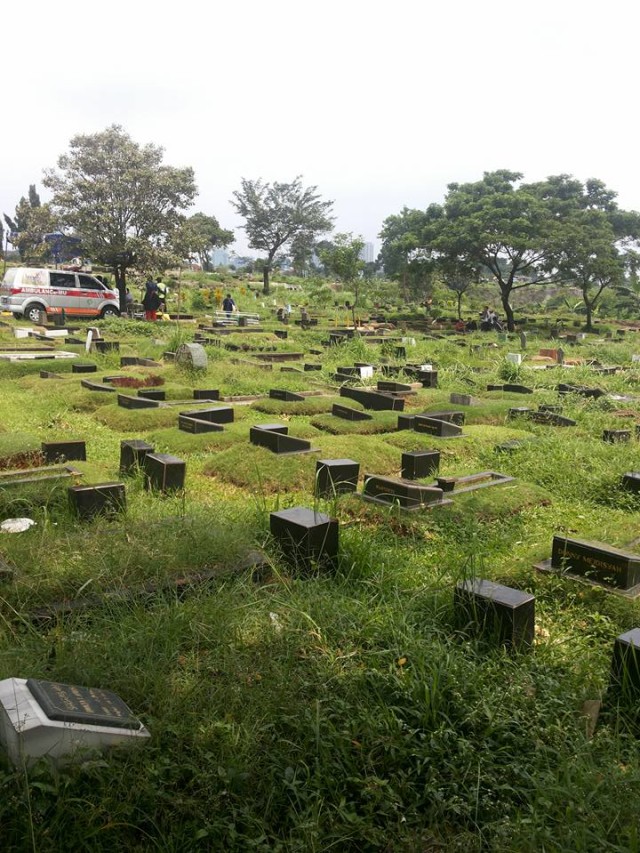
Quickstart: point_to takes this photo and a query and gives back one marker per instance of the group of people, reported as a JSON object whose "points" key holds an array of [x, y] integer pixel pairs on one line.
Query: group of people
{"points": [[154, 299], [489, 322]]}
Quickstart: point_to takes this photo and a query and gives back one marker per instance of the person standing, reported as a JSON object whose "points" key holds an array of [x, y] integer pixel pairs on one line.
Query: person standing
{"points": [[151, 300], [162, 294], [228, 305]]}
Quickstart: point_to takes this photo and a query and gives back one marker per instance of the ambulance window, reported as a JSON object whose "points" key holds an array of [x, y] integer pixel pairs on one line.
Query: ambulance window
{"points": [[62, 279], [87, 282]]}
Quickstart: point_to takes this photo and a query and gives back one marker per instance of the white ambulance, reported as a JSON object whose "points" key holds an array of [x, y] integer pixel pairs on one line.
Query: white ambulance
{"points": [[29, 291]]}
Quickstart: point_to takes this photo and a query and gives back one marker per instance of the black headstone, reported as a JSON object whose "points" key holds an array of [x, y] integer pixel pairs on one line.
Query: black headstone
{"points": [[196, 425], [97, 499], [373, 399], [164, 472], [306, 537], [203, 394], [394, 387], [336, 476], [596, 561], [55, 451], [287, 396], [349, 414], [418, 464], [215, 415], [507, 613], [433, 426], [152, 394], [614, 436], [88, 705], [631, 481], [132, 454], [390, 491], [107, 346], [84, 368], [129, 402]]}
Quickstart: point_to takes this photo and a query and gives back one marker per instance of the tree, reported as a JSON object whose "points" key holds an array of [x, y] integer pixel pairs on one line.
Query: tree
{"points": [[512, 231], [121, 199], [276, 214], [344, 261], [457, 277], [597, 248], [197, 236], [32, 220], [403, 254]]}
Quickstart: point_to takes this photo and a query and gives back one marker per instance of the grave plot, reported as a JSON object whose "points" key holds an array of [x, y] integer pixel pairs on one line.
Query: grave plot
{"points": [[249, 467], [310, 405], [352, 421]]}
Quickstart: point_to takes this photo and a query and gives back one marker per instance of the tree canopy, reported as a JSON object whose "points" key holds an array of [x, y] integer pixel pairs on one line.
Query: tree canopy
{"points": [[121, 199], [519, 234], [277, 214]]}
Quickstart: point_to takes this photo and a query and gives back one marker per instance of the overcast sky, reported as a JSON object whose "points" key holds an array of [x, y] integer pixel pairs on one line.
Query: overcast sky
{"points": [[378, 104]]}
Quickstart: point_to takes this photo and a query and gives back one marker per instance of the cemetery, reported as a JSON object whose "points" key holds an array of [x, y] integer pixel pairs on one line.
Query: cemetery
{"points": [[330, 581]]}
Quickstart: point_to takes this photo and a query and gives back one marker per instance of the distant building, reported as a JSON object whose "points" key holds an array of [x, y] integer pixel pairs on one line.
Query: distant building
{"points": [[366, 254], [219, 258]]}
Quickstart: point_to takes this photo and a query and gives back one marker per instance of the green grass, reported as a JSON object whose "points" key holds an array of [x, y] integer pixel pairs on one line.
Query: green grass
{"points": [[343, 711]]}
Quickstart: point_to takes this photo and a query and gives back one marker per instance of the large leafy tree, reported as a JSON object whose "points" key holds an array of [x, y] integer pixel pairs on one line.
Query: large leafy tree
{"points": [[598, 244], [507, 228], [277, 214], [121, 199]]}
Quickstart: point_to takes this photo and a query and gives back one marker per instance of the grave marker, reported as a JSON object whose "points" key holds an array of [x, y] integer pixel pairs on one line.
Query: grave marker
{"points": [[132, 454], [336, 476], [349, 414], [98, 499], [56, 451], [307, 538], [419, 464], [44, 718], [163, 472], [435, 427], [616, 436], [508, 613], [404, 493], [596, 561], [287, 396]]}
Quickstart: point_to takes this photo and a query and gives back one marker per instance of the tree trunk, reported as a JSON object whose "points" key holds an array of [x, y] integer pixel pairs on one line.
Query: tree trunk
{"points": [[265, 279], [508, 310], [589, 306], [459, 297]]}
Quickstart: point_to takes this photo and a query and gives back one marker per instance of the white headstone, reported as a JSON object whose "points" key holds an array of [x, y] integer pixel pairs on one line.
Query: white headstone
{"points": [[366, 372], [514, 357], [44, 718]]}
